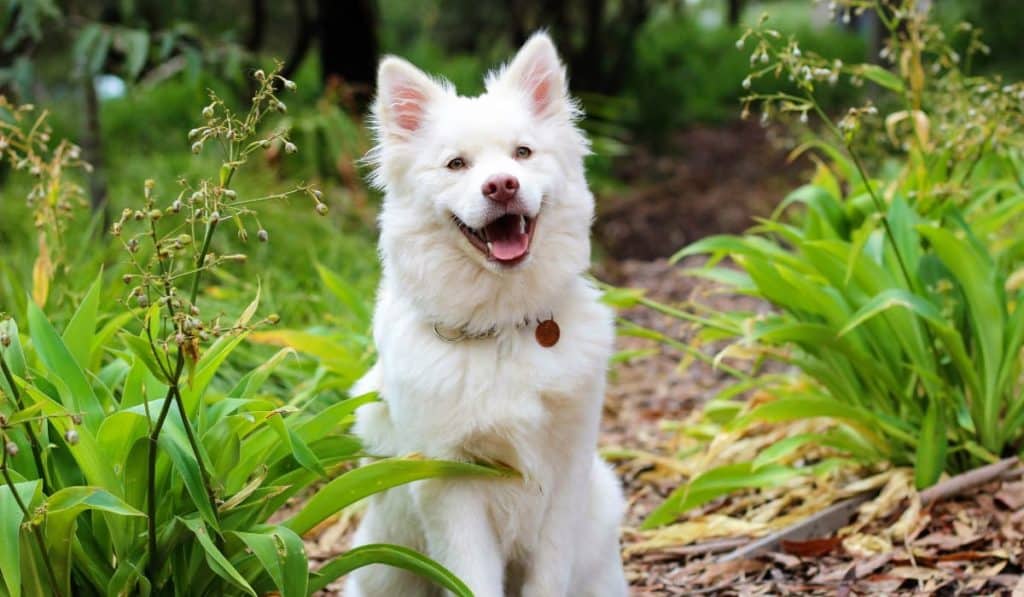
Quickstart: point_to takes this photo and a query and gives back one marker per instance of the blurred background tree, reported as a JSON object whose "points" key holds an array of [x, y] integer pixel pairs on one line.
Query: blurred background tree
{"points": [[120, 74]]}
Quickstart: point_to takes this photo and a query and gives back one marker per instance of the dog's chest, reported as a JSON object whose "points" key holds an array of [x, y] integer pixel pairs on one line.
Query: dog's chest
{"points": [[504, 398]]}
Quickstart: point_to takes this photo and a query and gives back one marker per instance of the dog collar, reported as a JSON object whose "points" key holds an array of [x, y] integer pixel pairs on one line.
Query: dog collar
{"points": [[547, 332]]}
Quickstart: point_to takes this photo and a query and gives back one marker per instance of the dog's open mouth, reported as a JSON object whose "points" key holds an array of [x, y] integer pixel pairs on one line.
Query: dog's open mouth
{"points": [[505, 240]]}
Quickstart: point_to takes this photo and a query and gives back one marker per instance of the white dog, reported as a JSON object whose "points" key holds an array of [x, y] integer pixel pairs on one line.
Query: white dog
{"points": [[492, 345]]}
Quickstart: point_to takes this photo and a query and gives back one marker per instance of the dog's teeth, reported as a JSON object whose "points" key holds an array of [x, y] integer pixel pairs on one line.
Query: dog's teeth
{"points": [[490, 247], [522, 224]]}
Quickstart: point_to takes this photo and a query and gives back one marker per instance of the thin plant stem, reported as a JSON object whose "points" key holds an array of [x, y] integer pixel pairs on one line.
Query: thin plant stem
{"points": [[154, 436], [28, 516], [33, 440], [190, 434], [174, 395], [875, 199]]}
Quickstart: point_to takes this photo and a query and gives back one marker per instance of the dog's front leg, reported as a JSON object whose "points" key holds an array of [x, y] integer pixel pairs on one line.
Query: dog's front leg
{"points": [[460, 535], [550, 569]]}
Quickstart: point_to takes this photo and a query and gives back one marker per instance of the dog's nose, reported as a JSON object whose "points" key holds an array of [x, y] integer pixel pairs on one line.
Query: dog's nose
{"points": [[500, 188]]}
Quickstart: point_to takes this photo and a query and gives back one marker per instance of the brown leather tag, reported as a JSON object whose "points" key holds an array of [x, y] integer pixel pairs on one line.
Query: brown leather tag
{"points": [[547, 333]]}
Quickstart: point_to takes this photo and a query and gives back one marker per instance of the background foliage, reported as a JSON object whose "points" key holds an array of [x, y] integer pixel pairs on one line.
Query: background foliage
{"points": [[895, 272]]}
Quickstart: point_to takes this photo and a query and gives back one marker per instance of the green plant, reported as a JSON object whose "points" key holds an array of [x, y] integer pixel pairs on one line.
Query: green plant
{"points": [[686, 73], [134, 462], [897, 294]]}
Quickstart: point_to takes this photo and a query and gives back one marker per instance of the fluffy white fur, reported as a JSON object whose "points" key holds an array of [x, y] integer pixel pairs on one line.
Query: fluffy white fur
{"points": [[505, 398]]}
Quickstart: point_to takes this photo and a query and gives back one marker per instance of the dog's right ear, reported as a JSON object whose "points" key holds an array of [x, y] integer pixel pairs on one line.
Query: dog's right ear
{"points": [[403, 94]]}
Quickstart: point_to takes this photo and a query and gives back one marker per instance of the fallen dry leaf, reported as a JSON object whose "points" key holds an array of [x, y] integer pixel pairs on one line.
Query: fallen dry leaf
{"points": [[811, 548]]}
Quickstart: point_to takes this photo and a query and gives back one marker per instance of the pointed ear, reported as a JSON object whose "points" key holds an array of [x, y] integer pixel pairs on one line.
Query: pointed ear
{"points": [[404, 93], [539, 74]]}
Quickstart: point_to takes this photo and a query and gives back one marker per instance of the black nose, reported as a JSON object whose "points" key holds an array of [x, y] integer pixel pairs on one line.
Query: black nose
{"points": [[500, 188]]}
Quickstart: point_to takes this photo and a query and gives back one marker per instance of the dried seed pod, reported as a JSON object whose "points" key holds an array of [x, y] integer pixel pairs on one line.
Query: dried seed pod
{"points": [[12, 448], [321, 208], [263, 235], [71, 437], [76, 419], [5, 340]]}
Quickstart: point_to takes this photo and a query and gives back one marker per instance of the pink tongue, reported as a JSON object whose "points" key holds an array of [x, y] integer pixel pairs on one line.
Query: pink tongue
{"points": [[507, 243]]}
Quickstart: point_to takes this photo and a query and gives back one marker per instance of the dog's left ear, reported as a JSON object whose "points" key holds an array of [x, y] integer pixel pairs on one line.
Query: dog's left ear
{"points": [[539, 74]]}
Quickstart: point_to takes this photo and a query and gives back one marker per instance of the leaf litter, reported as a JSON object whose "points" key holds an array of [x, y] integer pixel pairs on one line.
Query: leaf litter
{"points": [[970, 542]]}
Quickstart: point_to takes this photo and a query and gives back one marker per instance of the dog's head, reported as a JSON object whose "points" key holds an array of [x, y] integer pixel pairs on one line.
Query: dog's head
{"points": [[491, 186]]}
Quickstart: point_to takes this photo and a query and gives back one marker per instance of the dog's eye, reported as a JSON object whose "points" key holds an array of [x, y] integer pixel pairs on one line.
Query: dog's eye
{"points": [[456, 164], [523, 152]]}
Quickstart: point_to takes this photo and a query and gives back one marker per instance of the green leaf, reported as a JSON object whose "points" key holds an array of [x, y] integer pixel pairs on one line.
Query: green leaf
{"points": [[90, 460], [103, 336], [348, 297], [986, 300], [135, 44], [783, 448], [931, 447], [789, 408], [254, 380], [376, 477], [11, 518], [716, 483], [79, 332], [62, 510], [83, 46], [883, 77], [206, 369], [187, 466], [392, 555], [214, 558], [13, 354], [283, 556], [303, 455], [59, 362], [622, 298]]}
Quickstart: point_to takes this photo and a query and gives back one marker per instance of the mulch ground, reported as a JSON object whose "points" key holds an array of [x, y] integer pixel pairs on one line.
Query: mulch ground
{"points": [[972, 544], [713, 181]]}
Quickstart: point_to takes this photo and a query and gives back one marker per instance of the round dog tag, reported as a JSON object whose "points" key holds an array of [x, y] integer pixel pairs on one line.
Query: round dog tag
{"points": [[547, 333]]}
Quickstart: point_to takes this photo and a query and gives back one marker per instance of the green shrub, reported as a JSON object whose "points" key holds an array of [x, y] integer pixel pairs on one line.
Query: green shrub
{"points": [[897, 295]]}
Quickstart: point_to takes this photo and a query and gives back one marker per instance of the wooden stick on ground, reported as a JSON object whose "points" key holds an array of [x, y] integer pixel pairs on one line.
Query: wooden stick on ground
{"points": [[838, 515]]}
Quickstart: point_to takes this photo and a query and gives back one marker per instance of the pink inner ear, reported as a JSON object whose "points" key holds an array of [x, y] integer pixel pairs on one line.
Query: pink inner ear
{"points": [[407, 105], [542, 95], [539, 81]]}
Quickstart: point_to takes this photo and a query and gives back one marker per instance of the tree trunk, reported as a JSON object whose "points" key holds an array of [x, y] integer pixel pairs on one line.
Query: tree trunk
{"points": [[92, 148], [735, 12], [257, 29], [304, 33], [349, 48]]}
